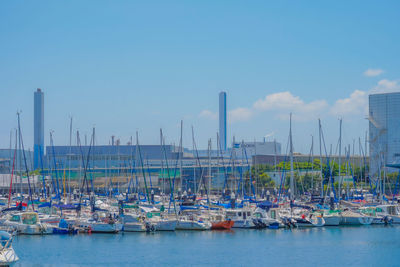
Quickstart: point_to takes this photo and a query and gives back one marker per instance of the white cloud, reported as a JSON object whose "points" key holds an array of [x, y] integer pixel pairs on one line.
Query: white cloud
{"points": [[286, 102], [386, 86], [208, 114], [239, 114], [281, 104], [373, 72], [355, 104]]}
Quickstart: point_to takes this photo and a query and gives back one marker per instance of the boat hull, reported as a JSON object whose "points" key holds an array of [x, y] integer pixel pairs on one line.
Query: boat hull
{"points": [[243, 224], [8, 256], [356, 220], [192, 225], [105, 228], [222, 225], [332, 220], [166, 225], [134, 227]]}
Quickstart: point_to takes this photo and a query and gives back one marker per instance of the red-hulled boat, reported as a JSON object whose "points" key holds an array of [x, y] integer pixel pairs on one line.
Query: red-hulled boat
{"points": [[222, 225]]}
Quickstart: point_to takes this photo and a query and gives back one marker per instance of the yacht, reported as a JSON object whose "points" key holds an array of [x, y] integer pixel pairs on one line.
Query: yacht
{"points": [[28, 223], [389, 210]]}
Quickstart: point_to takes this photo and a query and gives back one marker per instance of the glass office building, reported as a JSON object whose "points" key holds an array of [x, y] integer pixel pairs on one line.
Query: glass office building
{"points": [[384, 131]]}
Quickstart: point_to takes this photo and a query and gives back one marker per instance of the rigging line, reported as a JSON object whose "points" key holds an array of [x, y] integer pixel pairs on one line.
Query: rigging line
{"points": [[283, 176], [12, 172], [250, 176], [328, 166], [26, 165], [172, 198], [42, 173], [57, 189], [201, 169], [142, 167]]}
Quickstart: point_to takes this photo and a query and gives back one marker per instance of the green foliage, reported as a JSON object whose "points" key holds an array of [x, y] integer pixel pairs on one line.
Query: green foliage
{"points": [[264, 180], [35, 172], [305, 182]]}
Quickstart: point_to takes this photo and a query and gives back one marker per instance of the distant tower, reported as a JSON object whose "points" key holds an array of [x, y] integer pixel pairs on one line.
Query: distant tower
{"points": [[38, 125], [222, 120]]}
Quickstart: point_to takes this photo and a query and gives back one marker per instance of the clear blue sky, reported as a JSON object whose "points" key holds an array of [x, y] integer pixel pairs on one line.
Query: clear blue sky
{"points": [[124, 66]]}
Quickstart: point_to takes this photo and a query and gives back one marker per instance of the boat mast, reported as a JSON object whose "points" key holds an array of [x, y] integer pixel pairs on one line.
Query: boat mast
{"points": [[13, 165], [209, 166], [255, 166], [312, 163], [180, 157], [69, 160], [320, 157], [340, 156], [19, 158], [365, 157], [26, 165], [291, 161], [162, 164], [194, 166], [142, 167]]}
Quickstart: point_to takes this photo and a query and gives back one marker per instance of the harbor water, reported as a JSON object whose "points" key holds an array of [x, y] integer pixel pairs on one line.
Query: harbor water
{"points": [[327, 246]]}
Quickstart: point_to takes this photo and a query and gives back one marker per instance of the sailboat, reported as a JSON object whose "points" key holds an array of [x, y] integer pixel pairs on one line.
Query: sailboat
{"points": [[349, 217], [7, 253]]}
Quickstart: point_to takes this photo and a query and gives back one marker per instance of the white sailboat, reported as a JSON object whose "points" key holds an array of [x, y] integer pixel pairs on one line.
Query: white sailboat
{"points": [[7, 253], [349, 217]]}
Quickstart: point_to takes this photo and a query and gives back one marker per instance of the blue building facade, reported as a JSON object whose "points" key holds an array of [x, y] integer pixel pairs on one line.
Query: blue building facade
{"points": [[38, 125], [108, 156], [384, 129], [222, 120]]}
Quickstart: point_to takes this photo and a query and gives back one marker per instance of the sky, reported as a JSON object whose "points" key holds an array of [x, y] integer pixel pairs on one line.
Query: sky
{"points": [[127, 66]]}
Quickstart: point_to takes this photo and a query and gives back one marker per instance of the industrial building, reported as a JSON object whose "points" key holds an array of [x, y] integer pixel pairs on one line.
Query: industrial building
{"points": [[384, 131], [7, 156], [105, 156], [261, 148]]}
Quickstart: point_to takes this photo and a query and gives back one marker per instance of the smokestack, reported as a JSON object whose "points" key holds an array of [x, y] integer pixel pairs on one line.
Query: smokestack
{"points": [[222, 120], [38, 128]]}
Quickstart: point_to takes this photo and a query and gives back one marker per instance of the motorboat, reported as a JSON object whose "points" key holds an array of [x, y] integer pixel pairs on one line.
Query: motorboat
{"points": [[242, 218], [219, 221], [192, 222], [100, 222], [28, 223], [376, 218], [390, 210], [331, 217], [309, 221]]}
